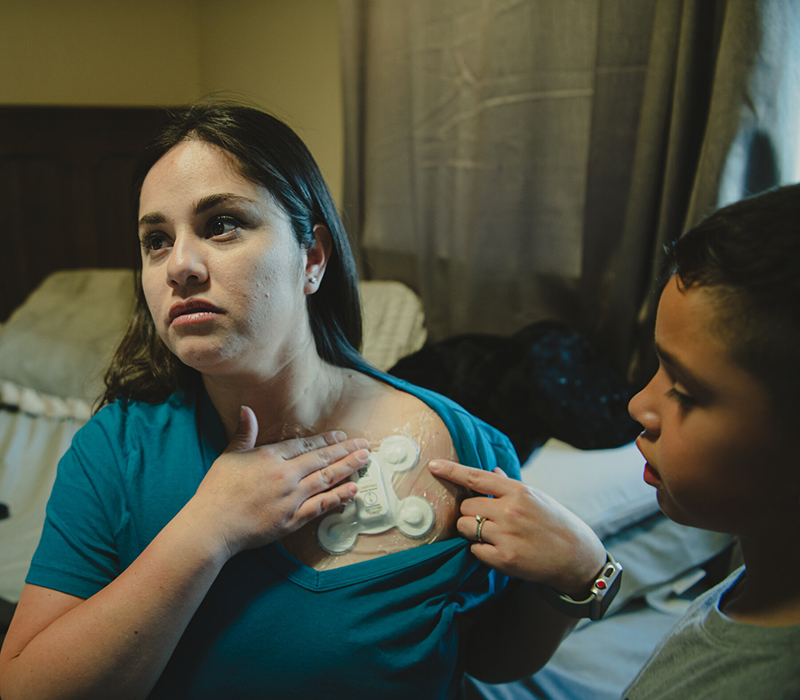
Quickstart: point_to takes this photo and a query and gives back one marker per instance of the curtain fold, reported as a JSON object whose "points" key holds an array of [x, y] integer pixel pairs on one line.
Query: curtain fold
{"points": [[516, 160]]}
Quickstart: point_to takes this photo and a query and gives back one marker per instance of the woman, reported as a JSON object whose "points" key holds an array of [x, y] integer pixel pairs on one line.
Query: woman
{"points": [[195, 565]]}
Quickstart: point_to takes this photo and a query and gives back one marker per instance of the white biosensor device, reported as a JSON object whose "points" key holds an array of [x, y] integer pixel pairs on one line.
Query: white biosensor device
{"points": [[376, 507]]}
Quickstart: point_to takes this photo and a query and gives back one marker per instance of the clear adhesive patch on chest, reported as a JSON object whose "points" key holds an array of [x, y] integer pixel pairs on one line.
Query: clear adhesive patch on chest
{"points": [[376, 507]]}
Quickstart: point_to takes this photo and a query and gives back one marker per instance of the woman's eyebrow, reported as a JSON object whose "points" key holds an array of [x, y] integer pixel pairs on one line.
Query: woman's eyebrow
{"points": [[212, 200], [154, 218]]}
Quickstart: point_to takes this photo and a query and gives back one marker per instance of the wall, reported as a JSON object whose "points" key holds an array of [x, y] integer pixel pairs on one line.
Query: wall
{"points": [[284, 55], [280, 54], [95, 52]]}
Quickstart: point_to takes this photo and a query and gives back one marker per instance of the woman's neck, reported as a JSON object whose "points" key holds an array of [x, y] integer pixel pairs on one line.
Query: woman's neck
{"points": [[299, 399]]}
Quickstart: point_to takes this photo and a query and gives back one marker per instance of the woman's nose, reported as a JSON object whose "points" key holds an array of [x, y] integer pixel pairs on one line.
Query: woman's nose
{"points": [[187, 264], [643, 411]]}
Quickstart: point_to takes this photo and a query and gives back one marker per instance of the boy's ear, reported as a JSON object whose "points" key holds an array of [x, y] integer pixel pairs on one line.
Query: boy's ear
{"points": [[317, 257]]}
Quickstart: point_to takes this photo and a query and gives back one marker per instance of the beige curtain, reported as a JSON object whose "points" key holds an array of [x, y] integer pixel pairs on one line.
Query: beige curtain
{"points": [[515, 160]]}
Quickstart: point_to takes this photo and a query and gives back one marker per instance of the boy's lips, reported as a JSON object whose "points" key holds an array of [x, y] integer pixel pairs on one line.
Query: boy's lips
{"points": [[193, 310], [650, 476]]}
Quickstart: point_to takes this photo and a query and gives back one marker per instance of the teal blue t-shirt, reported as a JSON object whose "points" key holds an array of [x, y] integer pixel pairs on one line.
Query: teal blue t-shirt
{"points": [[269, 627]]}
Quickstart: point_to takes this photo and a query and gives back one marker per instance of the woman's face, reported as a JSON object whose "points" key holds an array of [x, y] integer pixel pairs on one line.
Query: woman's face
{"points": [[222, 272]]}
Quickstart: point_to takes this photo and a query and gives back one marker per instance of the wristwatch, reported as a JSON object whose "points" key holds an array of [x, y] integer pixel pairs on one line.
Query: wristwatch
{"points": [[603, 591]]}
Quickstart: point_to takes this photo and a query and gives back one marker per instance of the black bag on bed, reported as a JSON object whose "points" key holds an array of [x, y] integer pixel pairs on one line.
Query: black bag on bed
{"points": [[544, 381]]}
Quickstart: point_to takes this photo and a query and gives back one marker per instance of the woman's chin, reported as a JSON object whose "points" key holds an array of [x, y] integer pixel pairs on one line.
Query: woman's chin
{"points": [[203, 357]]}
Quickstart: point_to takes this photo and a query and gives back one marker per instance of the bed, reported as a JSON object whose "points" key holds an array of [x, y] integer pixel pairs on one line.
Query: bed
{"points": [[53, 349]]}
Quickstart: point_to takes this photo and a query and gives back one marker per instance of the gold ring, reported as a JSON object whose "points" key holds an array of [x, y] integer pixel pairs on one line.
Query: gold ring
{"points": [[480, 521]]}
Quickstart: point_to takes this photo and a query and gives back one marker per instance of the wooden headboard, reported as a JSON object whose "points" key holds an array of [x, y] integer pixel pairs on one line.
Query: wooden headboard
{"points": [[65, 183]]}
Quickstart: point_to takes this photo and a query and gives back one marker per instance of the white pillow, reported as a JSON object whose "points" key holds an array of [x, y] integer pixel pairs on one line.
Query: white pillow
{"points": [[32, 441], [61, 340], [394, 322], [603, 487]]}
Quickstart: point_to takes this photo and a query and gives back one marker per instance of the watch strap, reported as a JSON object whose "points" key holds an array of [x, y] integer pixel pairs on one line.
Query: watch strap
{"points": [[603, 591]]}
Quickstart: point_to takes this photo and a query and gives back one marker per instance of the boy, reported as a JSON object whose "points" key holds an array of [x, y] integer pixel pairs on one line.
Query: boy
{"points": [[719, 420]]}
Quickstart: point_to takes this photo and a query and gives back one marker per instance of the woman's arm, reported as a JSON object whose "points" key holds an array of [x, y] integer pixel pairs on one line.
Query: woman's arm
{"points": [[515, 636], [531, 537], [117, 643]]}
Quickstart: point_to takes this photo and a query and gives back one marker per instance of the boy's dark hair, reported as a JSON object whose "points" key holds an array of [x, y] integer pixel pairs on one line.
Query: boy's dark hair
{"points": [[748, 255], [267, 152]]}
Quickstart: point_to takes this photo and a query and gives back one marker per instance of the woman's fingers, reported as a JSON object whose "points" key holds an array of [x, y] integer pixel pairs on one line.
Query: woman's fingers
{"points": [[478, 480], [319, 468], [332, 468], [477, 528], [318, 462], [320, 474], [324, 502], [326, 458], [299, 446]]}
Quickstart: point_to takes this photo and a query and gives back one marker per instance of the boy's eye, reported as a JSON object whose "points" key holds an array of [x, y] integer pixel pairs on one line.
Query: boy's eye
{"points": [[684, 401]]}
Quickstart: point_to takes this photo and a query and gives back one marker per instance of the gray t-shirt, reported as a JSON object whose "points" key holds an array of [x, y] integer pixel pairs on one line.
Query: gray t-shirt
{"points": [[708, 655]]}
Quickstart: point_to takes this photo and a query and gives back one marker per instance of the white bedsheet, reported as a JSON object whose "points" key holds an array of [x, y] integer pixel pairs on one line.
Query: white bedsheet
{"points": [[30, 447]]}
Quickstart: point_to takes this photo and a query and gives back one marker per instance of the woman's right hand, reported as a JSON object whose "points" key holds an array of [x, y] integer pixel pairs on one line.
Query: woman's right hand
{"points": [[253, 496]]}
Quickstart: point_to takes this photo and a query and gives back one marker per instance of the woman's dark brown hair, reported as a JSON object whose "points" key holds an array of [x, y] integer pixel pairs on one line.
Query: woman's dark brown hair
{"points": [[268, 153]]}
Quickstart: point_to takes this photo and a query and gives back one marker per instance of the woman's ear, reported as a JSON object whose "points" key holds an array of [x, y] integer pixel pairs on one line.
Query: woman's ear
{"points": [[317, 257]]}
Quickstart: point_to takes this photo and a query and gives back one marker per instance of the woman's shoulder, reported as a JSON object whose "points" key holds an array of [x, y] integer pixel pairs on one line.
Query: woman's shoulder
{"points": [[375, 408], [476, 443], [424, 399]]}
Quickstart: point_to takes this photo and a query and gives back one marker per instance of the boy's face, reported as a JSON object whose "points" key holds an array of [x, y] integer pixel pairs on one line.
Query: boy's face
{"points": [[711, 441]]}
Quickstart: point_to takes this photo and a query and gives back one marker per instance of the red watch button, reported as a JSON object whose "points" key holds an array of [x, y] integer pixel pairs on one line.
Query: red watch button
{"points": [[600, 584]]}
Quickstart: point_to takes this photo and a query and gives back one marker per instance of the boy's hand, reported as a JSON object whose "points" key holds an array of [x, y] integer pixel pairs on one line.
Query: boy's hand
{"points": [[526, 533]]}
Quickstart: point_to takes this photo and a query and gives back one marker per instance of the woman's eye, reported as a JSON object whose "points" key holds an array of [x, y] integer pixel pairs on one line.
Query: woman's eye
{"points": [[222, 225], [153, 241]]}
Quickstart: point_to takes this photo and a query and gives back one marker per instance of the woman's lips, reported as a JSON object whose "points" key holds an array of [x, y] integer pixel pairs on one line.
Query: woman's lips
{"points": [[192, 311]]}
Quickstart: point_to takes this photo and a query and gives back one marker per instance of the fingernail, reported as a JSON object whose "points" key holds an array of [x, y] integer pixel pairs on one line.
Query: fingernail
{"points": [[362, 444], [435, 466], [362, 455], [339, 436]]}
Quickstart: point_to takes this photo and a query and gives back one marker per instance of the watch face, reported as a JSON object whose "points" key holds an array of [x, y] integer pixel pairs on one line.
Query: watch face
{"points": [[603, 591], [605, 588]]}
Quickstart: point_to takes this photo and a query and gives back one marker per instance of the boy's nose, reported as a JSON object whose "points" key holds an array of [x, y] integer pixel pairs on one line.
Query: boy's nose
{"points": [[642, 411], [186, 263]]}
